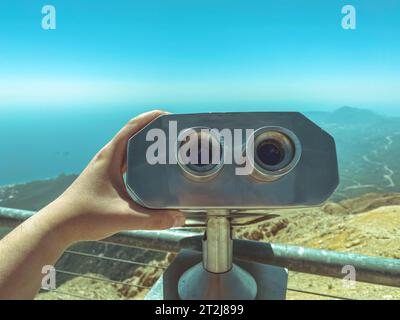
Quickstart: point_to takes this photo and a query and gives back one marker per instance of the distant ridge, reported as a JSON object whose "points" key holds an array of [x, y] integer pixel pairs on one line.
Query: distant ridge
{"points": [[346, 115], [355, 114]]}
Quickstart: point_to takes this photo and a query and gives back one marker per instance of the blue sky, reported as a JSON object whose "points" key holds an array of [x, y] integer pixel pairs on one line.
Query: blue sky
{"points": [[199, 55]]}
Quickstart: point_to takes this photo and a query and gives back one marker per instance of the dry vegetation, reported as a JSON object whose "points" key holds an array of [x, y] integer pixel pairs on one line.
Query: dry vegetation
{"points": [[367, 225]]}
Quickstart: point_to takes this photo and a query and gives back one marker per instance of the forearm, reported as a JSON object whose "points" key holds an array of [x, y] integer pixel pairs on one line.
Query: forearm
{"points": [[37, 242]]}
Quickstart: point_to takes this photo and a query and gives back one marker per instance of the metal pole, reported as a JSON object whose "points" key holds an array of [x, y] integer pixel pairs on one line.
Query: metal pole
{"points": [[377, 270], [217, 242]]}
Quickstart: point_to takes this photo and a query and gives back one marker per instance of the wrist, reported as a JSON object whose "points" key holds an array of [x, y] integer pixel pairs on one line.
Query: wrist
{"points": [[54, 222]]}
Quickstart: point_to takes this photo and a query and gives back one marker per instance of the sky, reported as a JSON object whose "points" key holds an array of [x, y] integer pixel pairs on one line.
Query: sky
{"points": [[199, 55]]}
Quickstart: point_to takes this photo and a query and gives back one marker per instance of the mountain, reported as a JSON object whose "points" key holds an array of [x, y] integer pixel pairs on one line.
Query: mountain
{"points": [[346, 115], [368, 149]]}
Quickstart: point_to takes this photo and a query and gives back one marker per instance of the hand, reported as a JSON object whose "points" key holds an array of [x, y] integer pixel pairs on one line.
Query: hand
{"points": [[97, 205]]}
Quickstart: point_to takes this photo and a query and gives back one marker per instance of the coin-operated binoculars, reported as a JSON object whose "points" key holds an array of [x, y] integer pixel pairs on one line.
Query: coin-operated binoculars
{"points": [[224, 167]]}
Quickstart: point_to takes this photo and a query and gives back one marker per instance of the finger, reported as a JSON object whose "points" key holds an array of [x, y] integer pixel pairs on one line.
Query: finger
{"points": [[136, 124], [115, 150], [156, 220], [120, 141]]}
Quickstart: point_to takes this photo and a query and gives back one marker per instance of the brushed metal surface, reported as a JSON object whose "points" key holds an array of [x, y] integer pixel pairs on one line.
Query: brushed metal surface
{"points": [[199, 284], [309, 183], [217, 242], [271, 281]]}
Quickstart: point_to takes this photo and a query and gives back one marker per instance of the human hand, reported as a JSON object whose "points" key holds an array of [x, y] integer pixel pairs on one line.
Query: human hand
{"points": [[96, 205]]}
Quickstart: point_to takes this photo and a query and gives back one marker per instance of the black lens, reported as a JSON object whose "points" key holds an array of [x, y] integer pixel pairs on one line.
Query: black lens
{"points": [[203, 155], [270, 152], [204, 152], [201, 148]]}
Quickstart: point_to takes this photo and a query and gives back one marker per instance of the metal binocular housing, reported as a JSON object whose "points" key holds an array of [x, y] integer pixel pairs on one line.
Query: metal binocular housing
{"points": [[251, 160]]}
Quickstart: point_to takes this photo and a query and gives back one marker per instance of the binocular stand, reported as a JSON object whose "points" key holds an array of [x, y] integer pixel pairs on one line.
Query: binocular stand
{"points": [[214, 274]]}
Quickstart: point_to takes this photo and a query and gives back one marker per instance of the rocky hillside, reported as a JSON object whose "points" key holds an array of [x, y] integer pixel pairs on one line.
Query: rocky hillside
{"points": [[368, 225], [34, 195]]}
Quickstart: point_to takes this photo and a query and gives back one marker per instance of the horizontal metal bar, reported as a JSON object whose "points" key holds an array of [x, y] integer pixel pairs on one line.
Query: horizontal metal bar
{"points": [[319, 294], [66, 294], [166, 240], [76, 274], [370, 269], [135, 263], [10, 218], [377, 270]]}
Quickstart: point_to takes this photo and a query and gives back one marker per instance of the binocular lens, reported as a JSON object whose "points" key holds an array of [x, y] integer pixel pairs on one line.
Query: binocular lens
{"points": [[270, 152], [276, 152], [203, 152], [200, 154]]}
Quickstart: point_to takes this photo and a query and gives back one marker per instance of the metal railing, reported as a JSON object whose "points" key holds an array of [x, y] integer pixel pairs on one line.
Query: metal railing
{"points": [[375, 270]]}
